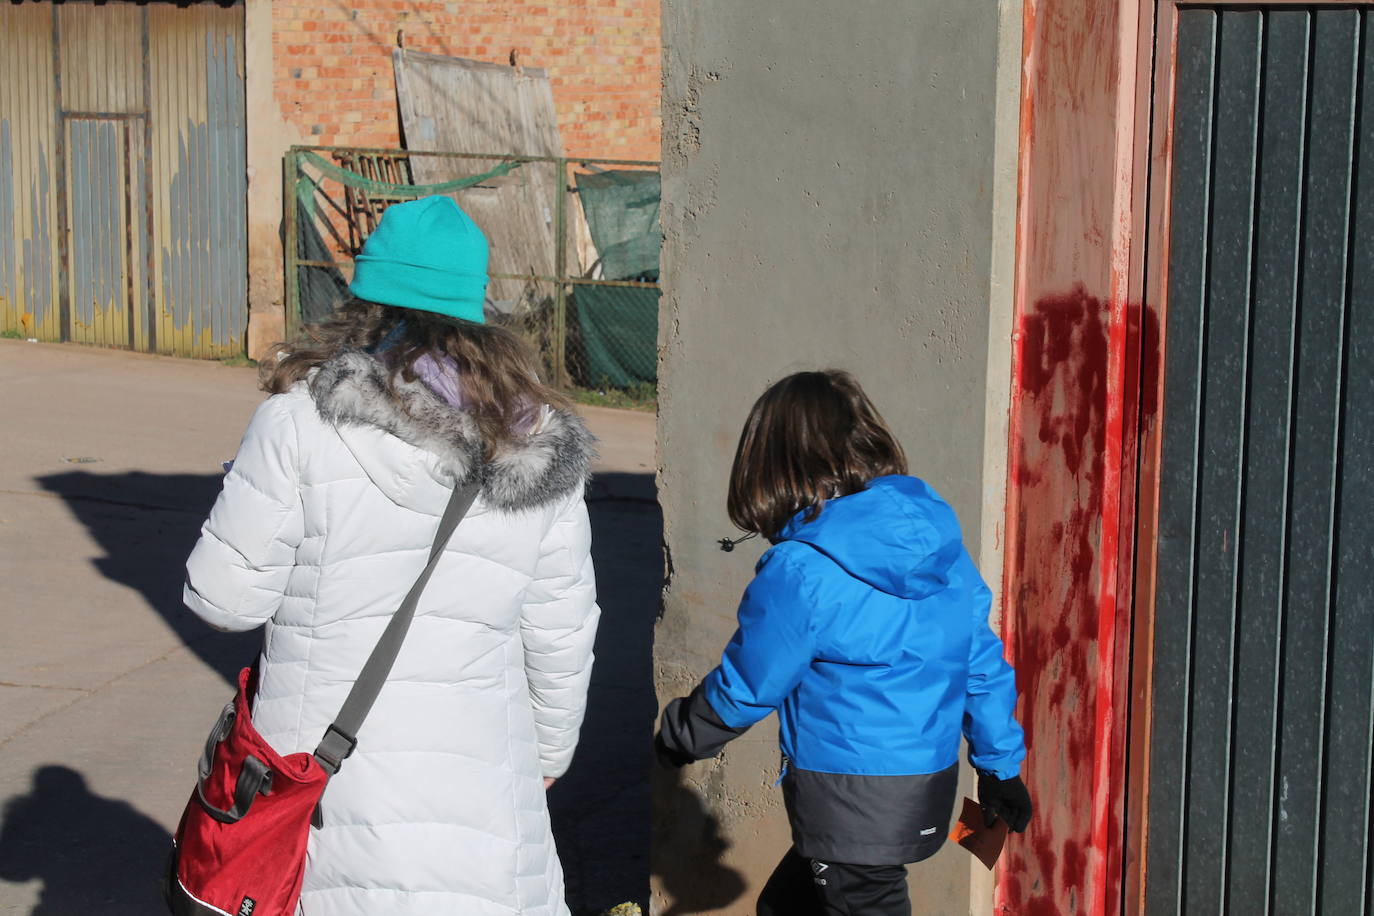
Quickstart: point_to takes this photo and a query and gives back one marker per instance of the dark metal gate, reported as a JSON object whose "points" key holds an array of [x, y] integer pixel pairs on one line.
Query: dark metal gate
{"points": [[1263, 709]]}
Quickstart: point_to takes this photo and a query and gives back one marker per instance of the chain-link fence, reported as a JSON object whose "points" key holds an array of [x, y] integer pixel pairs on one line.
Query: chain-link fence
{"points": [[574, 248]]}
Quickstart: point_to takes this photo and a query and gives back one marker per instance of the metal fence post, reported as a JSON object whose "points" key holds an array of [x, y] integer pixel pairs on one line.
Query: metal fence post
{"points": [[545, 319], [560, 259], [292, 269]]}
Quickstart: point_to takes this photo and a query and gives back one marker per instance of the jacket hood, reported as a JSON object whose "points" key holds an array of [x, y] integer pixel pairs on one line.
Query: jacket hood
{"points": [[440, 445], [897, 535]]}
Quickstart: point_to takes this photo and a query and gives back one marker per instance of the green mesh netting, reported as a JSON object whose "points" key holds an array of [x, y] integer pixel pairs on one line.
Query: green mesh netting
{"points": [[619, 325], [622, 214]]}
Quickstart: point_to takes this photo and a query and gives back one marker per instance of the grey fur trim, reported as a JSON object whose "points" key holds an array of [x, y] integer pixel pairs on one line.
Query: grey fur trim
{"points": [[354, 388]]}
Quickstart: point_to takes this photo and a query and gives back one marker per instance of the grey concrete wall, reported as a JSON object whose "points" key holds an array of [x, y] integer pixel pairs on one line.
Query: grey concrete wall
{"points": [[839, 190]]}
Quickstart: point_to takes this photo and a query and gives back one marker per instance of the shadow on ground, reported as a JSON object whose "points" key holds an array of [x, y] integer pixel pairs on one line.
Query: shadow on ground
{"points": [[92, 854], [146, 525], [600, 809]]}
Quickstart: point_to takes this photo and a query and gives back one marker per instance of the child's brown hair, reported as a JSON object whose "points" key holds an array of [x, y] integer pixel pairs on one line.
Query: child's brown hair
{"points": [[811, 437]]}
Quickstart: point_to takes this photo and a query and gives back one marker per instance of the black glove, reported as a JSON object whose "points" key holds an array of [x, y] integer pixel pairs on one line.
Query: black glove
{"points": [[1004, 798], [667, 757]]}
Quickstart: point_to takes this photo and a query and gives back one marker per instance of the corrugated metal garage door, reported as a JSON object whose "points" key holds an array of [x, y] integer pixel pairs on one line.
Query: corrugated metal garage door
{"points": [[122, 175], [1263, 710]]}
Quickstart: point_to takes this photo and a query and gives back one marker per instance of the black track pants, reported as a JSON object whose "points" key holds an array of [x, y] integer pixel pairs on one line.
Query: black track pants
{"points": [[809, 887]]}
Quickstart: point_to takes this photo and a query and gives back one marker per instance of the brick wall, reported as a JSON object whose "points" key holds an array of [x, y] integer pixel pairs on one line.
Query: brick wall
{"points": [[334, 81]]}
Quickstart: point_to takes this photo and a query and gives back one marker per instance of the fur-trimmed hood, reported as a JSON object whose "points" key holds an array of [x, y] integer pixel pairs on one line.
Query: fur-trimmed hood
{"points": [[355, 393]]}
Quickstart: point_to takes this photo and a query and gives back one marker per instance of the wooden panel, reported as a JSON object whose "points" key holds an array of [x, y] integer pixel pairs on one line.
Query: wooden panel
{"points": [[461, 106], [1078, 300]]}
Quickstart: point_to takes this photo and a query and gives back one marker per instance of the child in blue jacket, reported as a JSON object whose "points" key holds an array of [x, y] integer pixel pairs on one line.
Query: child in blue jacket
{"points": [[866, 628]]}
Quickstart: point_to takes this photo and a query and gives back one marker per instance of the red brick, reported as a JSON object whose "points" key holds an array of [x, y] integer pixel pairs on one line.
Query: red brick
{"points": [[602, 57]]}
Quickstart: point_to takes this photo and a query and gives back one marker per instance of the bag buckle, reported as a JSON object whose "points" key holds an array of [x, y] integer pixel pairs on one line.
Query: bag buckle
{"points": [[335, 747]]}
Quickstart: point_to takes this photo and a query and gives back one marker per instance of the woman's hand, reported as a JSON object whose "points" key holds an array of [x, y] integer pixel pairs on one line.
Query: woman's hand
{"points": [[549, 781]]}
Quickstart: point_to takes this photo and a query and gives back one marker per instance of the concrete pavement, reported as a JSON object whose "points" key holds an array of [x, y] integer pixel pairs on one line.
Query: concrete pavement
{"points": [[108, 463]]}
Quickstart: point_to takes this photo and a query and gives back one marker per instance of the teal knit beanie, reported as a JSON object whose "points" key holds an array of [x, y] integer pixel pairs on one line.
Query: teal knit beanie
{"points": [[425, 254]]}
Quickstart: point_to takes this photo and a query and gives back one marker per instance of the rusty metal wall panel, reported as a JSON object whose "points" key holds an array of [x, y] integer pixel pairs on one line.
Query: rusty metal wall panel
{"points": [[123, 175], [8, 305], [199, 169], [102, 57], [1260, 780], [139, 244], [98, 268], [28, 147]]}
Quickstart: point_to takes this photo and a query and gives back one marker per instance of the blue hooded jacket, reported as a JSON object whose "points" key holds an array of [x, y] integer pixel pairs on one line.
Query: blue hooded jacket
{"points": [[867, 627]]}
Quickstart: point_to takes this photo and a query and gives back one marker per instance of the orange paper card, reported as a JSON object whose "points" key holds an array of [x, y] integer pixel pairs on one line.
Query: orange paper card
{"points": [[984, 842]]}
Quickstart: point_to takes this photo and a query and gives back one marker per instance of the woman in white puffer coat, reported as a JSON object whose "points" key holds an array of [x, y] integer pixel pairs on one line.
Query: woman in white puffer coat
{"points": [[326, 519]]}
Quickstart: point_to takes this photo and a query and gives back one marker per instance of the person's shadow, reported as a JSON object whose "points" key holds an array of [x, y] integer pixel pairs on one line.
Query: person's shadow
{"points": [[600, 809], [688, 845], [146, 525], [92, 853]]}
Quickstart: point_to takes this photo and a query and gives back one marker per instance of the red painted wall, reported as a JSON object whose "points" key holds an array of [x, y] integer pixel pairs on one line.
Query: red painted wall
{"points": [[1072, 438]]}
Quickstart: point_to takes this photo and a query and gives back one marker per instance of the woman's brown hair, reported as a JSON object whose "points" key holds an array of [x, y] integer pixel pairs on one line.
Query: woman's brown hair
{"points": [[811, 437], [497, 368]]}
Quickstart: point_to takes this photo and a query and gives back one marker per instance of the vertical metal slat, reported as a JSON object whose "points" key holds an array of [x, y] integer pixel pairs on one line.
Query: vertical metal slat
{"points": [[236, 196], [211, 308], [217, 99], [1193, 121], [78, 211], [1316, 411], [1346, 816], [1266, 473], [1227, 313], [60, 196], [116, 279], [9, 292], [101, 229], [145, 198]]}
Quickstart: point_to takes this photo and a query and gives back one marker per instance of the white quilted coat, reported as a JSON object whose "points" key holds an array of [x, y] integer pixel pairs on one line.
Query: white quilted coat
{"points": [[325, 520]]}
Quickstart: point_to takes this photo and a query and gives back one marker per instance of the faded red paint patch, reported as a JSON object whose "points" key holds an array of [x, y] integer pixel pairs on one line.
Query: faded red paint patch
{"points": [[1060, 443]]}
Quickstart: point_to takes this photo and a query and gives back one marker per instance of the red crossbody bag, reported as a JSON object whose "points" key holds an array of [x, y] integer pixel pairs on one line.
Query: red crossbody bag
{"points": [[240, 848]]}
